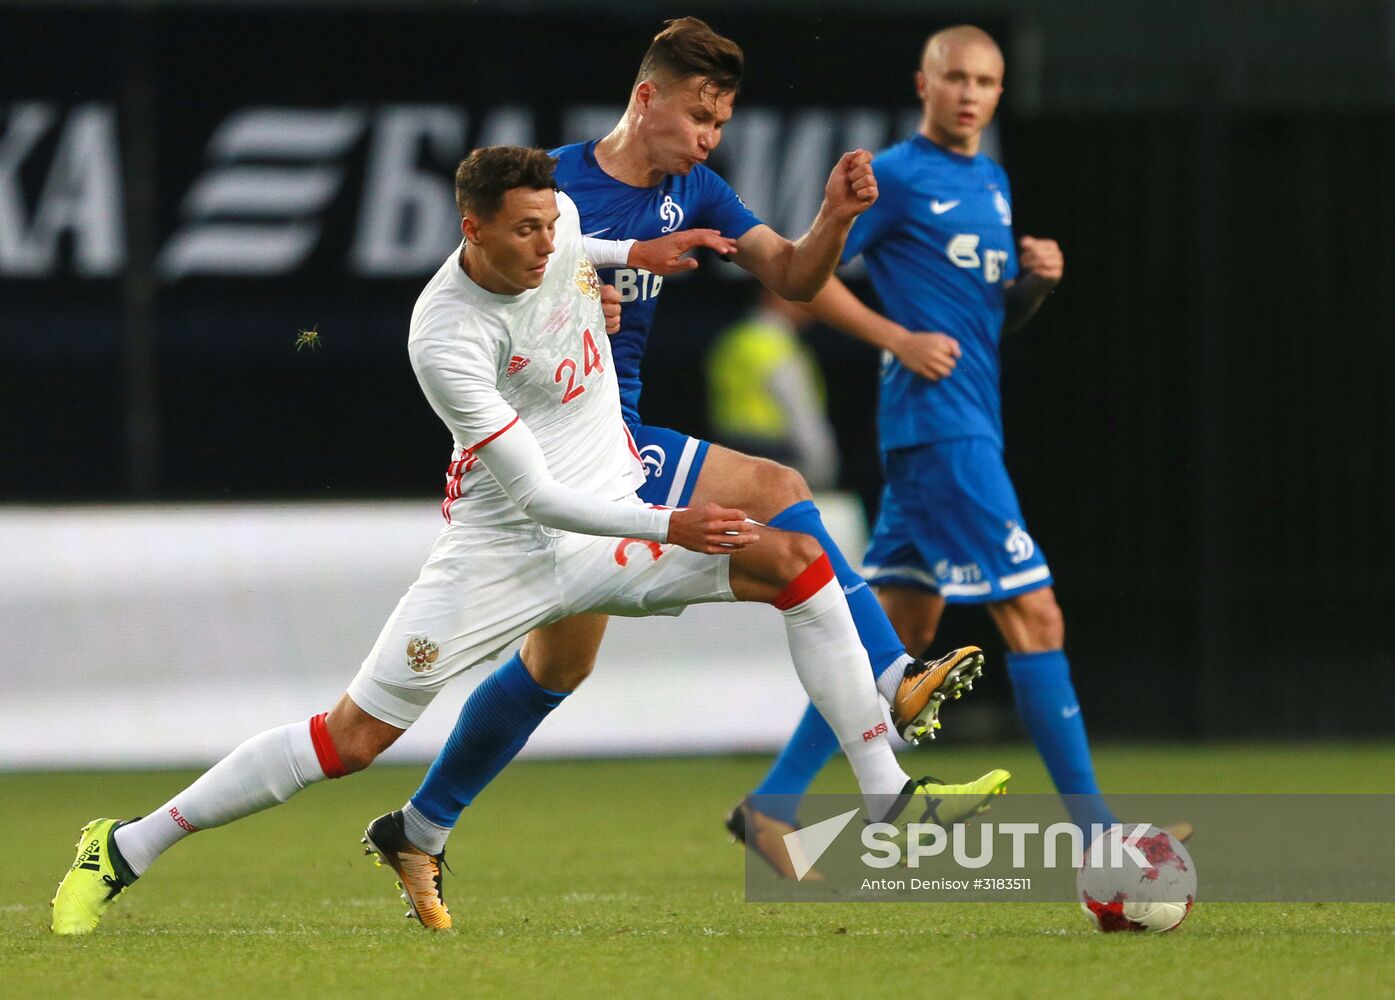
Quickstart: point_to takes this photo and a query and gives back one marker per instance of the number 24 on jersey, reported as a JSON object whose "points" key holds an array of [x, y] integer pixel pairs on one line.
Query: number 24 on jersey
{"points": [[591, 362]]}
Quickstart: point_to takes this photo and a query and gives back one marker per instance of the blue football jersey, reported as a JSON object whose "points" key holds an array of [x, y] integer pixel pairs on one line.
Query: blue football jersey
{"points": [[613, 210], [938, 247]]}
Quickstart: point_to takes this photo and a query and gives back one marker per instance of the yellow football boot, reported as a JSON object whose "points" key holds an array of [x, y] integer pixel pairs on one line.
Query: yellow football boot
{"points": [[97, 877], [932, 801]]}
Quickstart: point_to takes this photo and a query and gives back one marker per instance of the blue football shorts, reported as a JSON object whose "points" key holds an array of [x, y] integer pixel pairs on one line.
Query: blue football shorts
{"points": [[672, 461], [950, 523]]}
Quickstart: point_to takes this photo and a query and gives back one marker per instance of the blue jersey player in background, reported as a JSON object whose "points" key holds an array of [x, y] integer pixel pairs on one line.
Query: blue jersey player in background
{"points": [[940, 254], [646, 179]]}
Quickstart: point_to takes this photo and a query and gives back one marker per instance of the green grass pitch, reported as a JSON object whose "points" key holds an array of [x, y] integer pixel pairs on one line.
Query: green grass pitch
{"points": [[615, 878]]}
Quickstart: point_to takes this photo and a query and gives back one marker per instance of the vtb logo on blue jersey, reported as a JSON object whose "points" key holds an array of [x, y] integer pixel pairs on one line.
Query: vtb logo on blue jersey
{"points": [[962, 251], [634, 283]]}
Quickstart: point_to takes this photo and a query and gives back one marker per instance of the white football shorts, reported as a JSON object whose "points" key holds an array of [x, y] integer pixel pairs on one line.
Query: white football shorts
{"points": [[483, 588]]}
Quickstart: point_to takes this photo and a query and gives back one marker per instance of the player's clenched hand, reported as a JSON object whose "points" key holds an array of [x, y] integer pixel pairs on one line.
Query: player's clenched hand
{"points": [[851, 187], [929, 355], [710, 529], [610, 306], [1042, 258], [664, 255]]}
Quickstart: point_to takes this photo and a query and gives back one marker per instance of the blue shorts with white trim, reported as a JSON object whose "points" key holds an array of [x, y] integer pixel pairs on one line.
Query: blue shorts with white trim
{"points": [[672, 461], [950, 523]]}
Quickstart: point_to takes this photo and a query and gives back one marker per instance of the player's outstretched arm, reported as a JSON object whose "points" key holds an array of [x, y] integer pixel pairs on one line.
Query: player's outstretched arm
{"points": [[930, 355], [1041, 266], [797, 270], [458, 378], [517, 463], [710, 529], [664, 256]]}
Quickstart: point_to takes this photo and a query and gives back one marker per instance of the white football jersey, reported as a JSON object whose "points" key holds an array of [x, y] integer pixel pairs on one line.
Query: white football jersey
{"points": [[486, 360]]}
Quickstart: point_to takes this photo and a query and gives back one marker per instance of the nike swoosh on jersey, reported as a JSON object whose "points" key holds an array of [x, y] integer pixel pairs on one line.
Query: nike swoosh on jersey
{"points": [[941, 207], [609, 228], [1070, 713]]}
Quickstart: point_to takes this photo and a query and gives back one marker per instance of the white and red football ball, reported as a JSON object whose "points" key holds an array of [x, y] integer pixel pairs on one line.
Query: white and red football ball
{"points": [[1126, 896]]}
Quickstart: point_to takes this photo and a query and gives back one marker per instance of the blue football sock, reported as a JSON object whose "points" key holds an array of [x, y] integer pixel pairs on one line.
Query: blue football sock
{"points": [[1047, 704], [494, 723], [873, 629]]}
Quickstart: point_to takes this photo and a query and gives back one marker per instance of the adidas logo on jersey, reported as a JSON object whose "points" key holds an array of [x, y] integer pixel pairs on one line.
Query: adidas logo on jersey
{"points": [[516, 364]]}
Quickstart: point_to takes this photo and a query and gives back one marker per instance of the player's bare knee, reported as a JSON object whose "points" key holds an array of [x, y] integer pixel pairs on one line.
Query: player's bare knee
{"points": [[1051, 630], [1047, 623], [357, 737], [916, 634], [922, 636], [797, 552], [561, 674], [913, 612], [355, 753], [787, 487], [769, 488], [1040, 625], [581, 669], [355, 757], [361, 748]]}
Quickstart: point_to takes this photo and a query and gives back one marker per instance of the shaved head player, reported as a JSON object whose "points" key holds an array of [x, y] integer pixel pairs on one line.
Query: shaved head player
{"points": [[941, 257]]}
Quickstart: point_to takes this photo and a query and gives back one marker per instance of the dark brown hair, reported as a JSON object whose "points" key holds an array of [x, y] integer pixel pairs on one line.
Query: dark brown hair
{"points": [[688, 47], [489, 172]]}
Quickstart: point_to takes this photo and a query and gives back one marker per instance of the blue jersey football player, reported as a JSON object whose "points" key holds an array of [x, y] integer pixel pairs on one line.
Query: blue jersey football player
{"points": [[648, 178], [939, 250]]}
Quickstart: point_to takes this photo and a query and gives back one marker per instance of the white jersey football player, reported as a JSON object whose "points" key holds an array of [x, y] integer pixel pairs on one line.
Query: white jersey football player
{"points": [[507, 342]]}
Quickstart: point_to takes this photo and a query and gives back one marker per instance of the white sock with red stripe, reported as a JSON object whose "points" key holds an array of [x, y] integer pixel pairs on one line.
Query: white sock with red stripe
{"points": [[835, 672], [262, 772]]}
